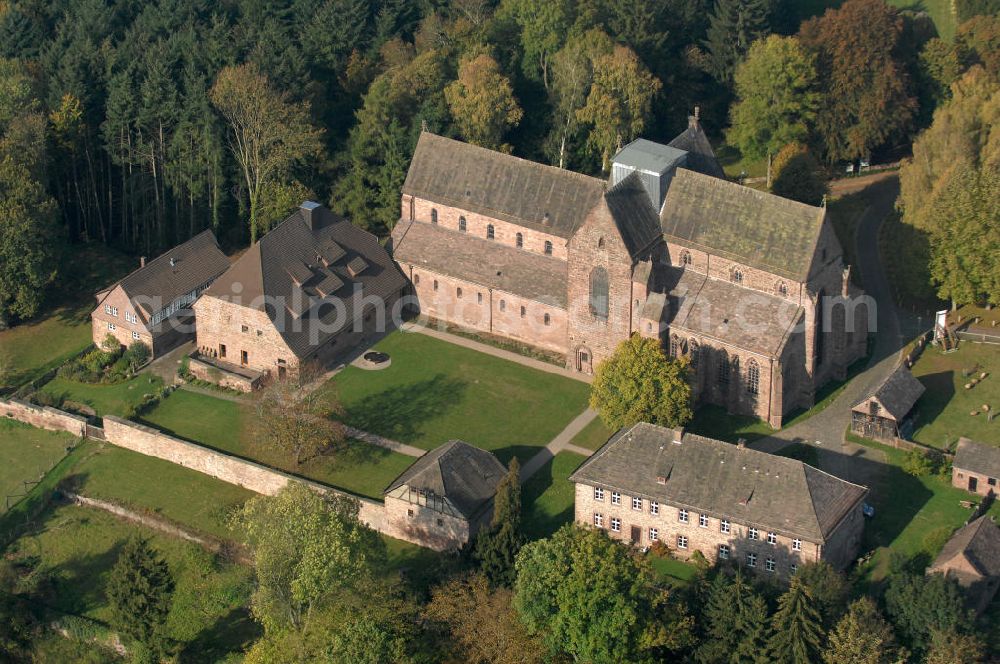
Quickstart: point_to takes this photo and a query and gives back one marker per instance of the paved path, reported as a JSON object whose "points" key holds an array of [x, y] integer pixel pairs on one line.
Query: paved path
{"points": [[381, 441], [496, 352], [558, 444], [826, 429]]}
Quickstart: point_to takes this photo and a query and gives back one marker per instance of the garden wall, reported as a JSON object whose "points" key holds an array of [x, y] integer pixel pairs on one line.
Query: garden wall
{"points": [[43, 417]]}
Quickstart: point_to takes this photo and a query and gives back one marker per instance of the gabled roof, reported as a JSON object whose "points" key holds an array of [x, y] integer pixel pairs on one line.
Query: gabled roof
{"points": [[633, 214], [701, 157], [174, 273], [723, 480], [536, 196], [491, 264], [753, 227], [465, 476], [897, 393], [977, 457], [978, 543], [290, 271]]}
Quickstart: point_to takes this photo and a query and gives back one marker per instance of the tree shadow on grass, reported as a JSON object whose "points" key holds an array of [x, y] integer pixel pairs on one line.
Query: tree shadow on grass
{"points": [[537, 523], [230, 633], [78, 583], [522, 452], [398, 412]]}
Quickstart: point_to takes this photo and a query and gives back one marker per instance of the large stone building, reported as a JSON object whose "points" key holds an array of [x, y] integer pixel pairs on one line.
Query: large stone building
{"points": [[309, 290], [154, 303], [746, 284], [768, 513]]}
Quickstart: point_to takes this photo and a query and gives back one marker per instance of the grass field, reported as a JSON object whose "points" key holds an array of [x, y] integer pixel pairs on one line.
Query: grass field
{"points": [[673, 571], [593, 435], [940, 11], [75, 547], [146, 484], [548, 496], [944, 409], [117, 399], [436, 391], [360, 468], [26, 454]]}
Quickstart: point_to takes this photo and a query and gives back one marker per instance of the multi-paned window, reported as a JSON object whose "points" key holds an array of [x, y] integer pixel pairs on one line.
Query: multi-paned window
{"points": [[752, 533], [772, 538], [769, 564], [616, 524], [598, 520], [135, 335], [112, 327], [751, 560], [131, 317], [724, 551], [703, 521], [793, 568], [654, 534], [654, 507], [637, 504], [616, 498], [462, 226], [682, 542], [598, 493], [724, 526], [682, 516], [796, 544]]}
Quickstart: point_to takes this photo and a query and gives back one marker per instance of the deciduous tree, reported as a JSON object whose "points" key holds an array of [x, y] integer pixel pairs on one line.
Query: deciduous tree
{"points": [[140, 591], [296, 421], [482, 102], [638, 383], [572, 74], [798, 176], [950, 647], [544, 25], [862, 636]]}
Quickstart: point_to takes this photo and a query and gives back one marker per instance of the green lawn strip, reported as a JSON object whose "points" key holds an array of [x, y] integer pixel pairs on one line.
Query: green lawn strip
{"points": [[117, 399], [713, 421], [436, 391], [593, 435], [360, 468], [943, 412], [26, 455], [734, 164], [147, 484], [76, 548], [672, 570], [942, 14], [419, 567], [548, 496]]}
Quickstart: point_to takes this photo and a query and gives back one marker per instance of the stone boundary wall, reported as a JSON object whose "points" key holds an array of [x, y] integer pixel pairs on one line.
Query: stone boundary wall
{"points": [[207, 372], [43, 417]]}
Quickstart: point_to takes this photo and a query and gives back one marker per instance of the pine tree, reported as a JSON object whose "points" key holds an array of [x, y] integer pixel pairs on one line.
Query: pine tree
{"points": [[140, 590], [795, 627], [736, 619], [733, 26], [861, 637], [497, 548]]}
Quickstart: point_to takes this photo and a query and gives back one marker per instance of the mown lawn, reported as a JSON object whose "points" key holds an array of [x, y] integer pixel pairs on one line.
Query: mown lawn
{"points": [[436, 391], [114, 399], [26, 454], [548, 496], [673, 571], [359, 468], [942, 13], [593, 435], [147, 484], [943, 412], [76, 547]]}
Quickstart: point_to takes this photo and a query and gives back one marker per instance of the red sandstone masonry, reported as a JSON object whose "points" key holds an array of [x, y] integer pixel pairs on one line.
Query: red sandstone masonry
{"points": [[43, 417]]}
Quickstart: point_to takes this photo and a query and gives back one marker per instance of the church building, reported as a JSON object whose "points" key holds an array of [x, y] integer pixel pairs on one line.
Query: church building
{"points": [[749, 286]]}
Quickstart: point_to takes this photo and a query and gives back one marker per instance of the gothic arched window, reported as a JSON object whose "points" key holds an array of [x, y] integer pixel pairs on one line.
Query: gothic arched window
{"points": [[490, 232], [723, 373], [462, 225], [753, 377], [693, 352], [434, 215], [686, 257], [519, 240], [737, 276], [548, 248], [782, 289], [599, 292]]}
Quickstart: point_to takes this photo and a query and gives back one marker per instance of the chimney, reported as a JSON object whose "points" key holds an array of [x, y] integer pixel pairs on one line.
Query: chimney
{"points": [[678, 435], [693, 119], [142, 261], [173, 261], [846, 288], [741, 444], [311, 213]]}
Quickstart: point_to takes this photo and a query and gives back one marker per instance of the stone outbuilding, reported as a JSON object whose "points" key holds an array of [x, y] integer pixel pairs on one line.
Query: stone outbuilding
{"points": [[884, 414], [154, 303], [445, 497], [768, 513], [976, 467], [972, 557]]}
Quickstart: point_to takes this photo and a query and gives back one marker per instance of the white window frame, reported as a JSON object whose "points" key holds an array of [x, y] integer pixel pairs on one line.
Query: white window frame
{"points": [[598, 520], [769, 565], [131, 318], [796, 544], [111, 326], [616, 524], [702, 521], [682, 516], [751, 559], [637, 503], [723, 552], [616, 498], [135, 335], [772, 539], [793, 568], [654, 535], [753, 533], [598, 493], [724, 526], [654, 507], [682, 542]]}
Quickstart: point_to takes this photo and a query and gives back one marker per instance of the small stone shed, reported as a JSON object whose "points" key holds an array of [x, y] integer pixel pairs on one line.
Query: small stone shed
{"points": [[884, 414], [445, 497], [972, 557], [976, 467]]}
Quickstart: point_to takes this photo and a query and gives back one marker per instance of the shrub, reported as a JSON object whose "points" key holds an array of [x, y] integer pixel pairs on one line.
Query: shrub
{"points": [[918, 463], [184, 370], [660, 550], [137, 355]]}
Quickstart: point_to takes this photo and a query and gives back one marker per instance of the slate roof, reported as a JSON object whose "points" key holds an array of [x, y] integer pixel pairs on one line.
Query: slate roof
{"points": [[500, 185], [722, 480], [634, 214], [701, 157], [729, 313], [736, 222], [293, 268], [465, 475], [196, 262], [978, 543], [478, 260], [897, 394], [977, 457]]}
